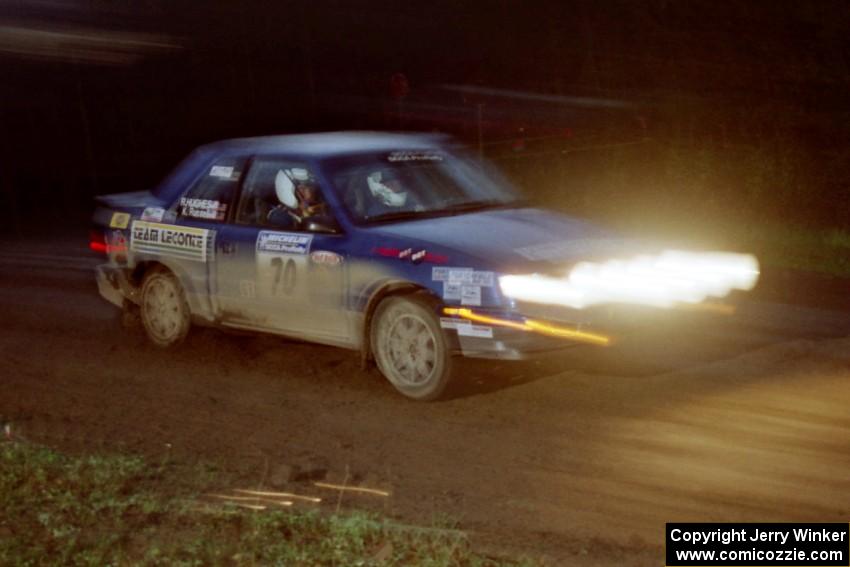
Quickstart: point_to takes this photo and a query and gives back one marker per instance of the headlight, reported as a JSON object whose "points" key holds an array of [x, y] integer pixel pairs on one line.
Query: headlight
{"points": [[661, 280]]}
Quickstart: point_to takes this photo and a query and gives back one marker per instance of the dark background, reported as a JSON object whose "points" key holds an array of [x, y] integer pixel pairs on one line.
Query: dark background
{"points": [[628, 111]]}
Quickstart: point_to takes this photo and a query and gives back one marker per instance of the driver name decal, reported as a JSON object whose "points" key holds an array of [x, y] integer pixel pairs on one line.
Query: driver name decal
{"points": [[183, 242]]}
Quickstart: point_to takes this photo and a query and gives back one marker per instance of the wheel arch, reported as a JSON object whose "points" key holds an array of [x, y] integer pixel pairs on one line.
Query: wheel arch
{"points": [[137, 274], [388, 289]]}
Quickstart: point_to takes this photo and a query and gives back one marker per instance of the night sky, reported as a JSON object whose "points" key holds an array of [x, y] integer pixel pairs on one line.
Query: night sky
{"points": [[102, 97]]}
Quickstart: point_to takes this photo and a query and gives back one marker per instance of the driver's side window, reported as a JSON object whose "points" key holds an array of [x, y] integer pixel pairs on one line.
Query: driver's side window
{"points": [[280, 194]]}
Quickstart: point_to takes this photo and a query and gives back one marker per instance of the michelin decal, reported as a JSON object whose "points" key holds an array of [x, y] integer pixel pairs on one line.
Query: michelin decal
{"points": [[284, 242]]}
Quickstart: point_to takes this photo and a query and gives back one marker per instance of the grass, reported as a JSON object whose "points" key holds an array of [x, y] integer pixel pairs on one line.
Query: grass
{"points": [[119, 510]]}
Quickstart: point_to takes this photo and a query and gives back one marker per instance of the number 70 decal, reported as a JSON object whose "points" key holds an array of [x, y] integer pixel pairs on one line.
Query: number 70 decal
{"points": [[284, 276]]}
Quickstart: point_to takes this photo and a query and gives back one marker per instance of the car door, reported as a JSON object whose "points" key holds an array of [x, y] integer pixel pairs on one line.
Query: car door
{"points": [[280, 269], [188, 232]]}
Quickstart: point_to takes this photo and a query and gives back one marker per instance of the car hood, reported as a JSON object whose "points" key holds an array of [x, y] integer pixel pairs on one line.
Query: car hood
{"points": [[513, 239]]}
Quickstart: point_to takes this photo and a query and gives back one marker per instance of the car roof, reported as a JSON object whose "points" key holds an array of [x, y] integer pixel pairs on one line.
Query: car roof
{"points": [[306, 146], [329, 144]]}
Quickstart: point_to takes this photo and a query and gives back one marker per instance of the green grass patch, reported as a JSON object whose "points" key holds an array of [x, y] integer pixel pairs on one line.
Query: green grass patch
{"points": [[118, 509]]}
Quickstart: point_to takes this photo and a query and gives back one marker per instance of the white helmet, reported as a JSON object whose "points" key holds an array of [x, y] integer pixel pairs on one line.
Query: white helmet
{"points": [[285, 189], [383, 193]]}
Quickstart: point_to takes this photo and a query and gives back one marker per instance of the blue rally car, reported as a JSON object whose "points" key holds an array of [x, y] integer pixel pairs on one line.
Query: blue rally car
{"points": [[403, 247]]}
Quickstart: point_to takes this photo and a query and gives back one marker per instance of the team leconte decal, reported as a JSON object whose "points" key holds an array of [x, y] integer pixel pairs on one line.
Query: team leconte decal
{"points": [[183, 242], [119, 220], [325, 257], [283, 242], [154, 214], [203, 209]]}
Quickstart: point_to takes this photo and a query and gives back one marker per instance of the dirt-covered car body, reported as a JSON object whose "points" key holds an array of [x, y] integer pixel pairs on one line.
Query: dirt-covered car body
{"points": [[310, 235]]}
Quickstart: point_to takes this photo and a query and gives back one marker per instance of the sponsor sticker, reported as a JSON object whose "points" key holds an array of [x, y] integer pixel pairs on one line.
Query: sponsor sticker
{"points": [[203, 209], [414, 156], [483, 279], [183, 242], [119, 220], [460, 275], [284, 242], [154, 214], [466, 329], [480, 331], [439, 274], [452, 290], [247, 289], [224, 171], [118, 241], [470, 295], [325, 257]]}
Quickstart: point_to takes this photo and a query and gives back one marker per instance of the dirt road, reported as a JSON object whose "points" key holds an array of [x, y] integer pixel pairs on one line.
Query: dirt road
{"points": [[580, 458]]}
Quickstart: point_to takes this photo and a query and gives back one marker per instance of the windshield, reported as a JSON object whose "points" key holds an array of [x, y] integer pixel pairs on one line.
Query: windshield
{"points": [[417, 184]]}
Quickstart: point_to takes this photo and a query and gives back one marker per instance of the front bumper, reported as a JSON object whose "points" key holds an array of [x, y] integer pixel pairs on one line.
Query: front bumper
{"points": [[482, 334], [513, 336]]}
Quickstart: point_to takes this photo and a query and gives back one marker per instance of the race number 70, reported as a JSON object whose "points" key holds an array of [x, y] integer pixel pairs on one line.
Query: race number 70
{"points": [[284, 276]]}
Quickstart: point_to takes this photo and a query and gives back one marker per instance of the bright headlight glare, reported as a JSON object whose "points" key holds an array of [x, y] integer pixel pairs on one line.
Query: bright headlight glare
{"points": [[662, 280]]}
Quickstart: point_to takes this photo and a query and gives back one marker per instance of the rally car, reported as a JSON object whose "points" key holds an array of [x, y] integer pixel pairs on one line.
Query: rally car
{"points": [[403, 247]]}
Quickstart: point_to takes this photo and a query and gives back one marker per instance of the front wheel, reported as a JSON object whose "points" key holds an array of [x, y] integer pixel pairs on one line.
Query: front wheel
{"points": [[165, 313], [410, 348]]}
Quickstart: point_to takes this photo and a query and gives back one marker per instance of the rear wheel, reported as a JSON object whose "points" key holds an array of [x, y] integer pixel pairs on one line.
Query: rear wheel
{"points": [[165, 313], [410, 348]]}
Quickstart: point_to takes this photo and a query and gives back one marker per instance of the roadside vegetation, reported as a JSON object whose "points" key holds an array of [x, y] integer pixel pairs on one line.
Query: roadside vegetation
{"points": [[118, 509]]}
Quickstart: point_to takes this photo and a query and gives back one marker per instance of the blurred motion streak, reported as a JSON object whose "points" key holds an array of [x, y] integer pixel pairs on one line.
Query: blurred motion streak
{"points": [[257, 499], [277, 494], [664, 280], [81, 45], [374, 491], [537, 97], [531, 325]]}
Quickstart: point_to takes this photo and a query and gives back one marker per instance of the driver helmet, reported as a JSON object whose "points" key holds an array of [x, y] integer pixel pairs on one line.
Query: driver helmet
{"points": [[385, 186], [285, 190]]}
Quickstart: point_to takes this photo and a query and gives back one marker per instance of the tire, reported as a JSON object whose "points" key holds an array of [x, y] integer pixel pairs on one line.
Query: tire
{"points": [[165, 313], [410, 348]]}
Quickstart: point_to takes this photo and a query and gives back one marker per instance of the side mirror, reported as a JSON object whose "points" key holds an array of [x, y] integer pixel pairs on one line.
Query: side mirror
{"points": [[322, 224]]}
